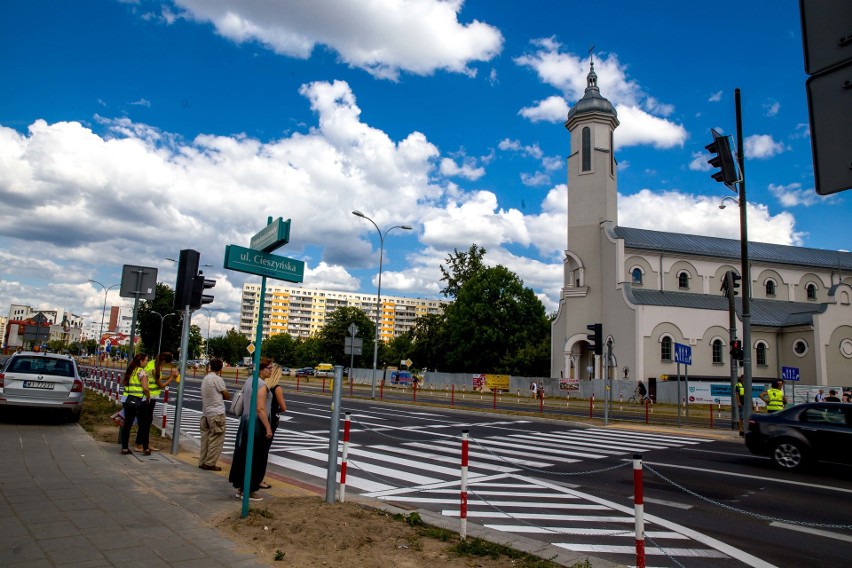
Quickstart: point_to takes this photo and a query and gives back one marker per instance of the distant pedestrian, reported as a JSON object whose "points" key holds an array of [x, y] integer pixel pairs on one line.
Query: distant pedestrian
{"points": [[819, 397], [847, 395], [832, 396], [214, 393], [534, 389], [774, 397], [740, 404]]}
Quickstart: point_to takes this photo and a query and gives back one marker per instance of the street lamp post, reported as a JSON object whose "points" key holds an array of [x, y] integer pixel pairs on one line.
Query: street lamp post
{"points": [[207, 343], [379, 291], [103, 312], [162, 319]]}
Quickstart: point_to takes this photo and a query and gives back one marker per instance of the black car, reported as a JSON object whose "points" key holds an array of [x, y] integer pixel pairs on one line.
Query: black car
{"points": [[803, 434]]}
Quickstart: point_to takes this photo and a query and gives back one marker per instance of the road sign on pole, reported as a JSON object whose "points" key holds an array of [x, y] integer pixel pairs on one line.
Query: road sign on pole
{"points": [[683, 354], [790, 373]]}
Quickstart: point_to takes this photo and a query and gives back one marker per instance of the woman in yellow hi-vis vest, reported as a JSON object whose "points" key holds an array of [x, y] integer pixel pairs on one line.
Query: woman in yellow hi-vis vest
{"points": [[156, 383], [136, 402], [774, 397]]}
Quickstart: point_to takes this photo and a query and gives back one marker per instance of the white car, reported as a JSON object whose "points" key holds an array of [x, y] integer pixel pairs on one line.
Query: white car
{"points": [[42, 380]]}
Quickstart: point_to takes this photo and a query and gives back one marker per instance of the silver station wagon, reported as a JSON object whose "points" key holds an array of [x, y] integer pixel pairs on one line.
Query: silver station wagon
{"points": [[42, 380]]}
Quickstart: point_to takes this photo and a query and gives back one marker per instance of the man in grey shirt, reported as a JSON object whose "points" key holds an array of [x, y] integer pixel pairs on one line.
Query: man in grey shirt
{"points": [[213, 397]]}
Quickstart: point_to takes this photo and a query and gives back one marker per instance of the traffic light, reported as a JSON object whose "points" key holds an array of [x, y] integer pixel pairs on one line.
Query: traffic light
{"points": [[730, 283], [723, 159], [199, 284], [187, 269], [595, 338], [737, 350]]}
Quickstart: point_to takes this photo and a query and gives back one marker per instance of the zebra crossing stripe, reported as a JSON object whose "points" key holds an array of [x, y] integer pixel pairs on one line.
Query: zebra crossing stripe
{"points": [[528, 529], [543, 449], [578, 439], [407, 451], [666, 438], [649, 551]]}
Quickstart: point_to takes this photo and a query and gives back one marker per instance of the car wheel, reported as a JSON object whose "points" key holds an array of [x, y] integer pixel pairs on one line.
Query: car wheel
{"points": [[789, 455], [74, 416]]}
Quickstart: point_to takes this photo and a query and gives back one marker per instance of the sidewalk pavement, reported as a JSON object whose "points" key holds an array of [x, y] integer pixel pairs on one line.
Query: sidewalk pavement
{"points": [[69, 501]]}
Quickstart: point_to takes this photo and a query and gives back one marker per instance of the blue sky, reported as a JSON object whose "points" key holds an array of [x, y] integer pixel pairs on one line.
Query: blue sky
{"points": [[132, 129]]}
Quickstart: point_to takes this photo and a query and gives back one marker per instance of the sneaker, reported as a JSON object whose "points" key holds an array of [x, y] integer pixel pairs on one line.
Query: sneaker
{"points": [[253, 496]]}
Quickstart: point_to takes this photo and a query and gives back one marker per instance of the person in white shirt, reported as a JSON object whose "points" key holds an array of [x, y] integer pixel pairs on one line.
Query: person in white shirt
{"points": [[213, 397]]}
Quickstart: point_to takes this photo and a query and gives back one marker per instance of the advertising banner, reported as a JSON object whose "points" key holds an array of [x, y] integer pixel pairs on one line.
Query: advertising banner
{"points": [[716, 393]]}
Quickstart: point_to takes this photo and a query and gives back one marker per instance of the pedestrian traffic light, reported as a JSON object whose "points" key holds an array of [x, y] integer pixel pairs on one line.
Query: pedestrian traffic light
{"points": [[595, 338], [737, 350], [187, 268], [723, 159], [199, 284]]}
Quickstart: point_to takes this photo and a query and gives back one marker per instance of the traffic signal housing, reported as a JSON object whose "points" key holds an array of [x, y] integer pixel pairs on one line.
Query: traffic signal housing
{"points": [[737, 350], [730, 284], [187, 269], [723, 159], [595, 338], [199, 284]]}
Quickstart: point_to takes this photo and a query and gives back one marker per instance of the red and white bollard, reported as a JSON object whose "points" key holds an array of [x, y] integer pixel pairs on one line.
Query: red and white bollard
{"points": [[463, 493], [346, 423], [165, 402], [639, 511]]}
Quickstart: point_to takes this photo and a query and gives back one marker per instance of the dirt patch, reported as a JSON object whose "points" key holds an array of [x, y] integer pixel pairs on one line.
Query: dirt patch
{"points": [[306, 531]]}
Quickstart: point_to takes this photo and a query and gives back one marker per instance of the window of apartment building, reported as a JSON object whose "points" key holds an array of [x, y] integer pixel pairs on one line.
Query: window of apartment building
{"points": [[666, 348], [811, 291], [636, 277], [717, 352], [683, 280]]}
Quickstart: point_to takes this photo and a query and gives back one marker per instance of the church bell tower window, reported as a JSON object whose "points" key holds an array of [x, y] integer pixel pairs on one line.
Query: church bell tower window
{"points": [[587, 149]]}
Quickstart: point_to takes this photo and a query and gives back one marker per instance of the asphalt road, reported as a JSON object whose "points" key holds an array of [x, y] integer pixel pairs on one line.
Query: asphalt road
{"points": [[708, 502]]}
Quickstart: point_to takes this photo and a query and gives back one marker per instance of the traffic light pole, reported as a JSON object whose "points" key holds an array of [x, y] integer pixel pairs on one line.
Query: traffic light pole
{"points": [[745, 269], [184, 349], [732, 334]]}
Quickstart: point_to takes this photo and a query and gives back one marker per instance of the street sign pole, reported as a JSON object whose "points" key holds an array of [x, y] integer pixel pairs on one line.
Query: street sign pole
{"points": [[184, 345], [252, 416]]}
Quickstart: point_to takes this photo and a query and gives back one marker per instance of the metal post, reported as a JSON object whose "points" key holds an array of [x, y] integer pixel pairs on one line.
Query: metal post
{"points": [[103, 313], [378, 292], [333, 435], [184, 345], [252, 415], [732, 335], [746, 270]]}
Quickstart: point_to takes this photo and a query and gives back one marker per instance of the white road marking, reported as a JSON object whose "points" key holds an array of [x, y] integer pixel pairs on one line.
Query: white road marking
{"points": [[813, 531]]}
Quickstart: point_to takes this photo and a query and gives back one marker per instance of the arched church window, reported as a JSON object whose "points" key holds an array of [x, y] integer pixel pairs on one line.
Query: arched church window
{"points": [[683, 281], [587, 149], [717, 352], [636, 277], [760, 354], [666, 349], [770, 287], [811, 290]]}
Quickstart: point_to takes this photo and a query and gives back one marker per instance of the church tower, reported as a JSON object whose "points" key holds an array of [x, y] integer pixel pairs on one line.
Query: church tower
{"points": [[592, 202]]}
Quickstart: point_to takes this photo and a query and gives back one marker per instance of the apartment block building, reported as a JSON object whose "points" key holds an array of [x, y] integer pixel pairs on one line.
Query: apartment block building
{"points": [[302, 312]]}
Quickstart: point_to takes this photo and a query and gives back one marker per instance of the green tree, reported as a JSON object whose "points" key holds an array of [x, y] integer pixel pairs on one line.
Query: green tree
{"points": [[430, 347], [493, 319], [307, 352], [281, 348], [401, 348], [331, 339], [230, 347], [462, 267], [148, 322]]}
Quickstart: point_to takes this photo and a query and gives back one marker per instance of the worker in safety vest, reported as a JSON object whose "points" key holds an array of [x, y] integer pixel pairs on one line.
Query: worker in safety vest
{"points": [[135, 404], [156, 383], [774, 397], [740, 394]]}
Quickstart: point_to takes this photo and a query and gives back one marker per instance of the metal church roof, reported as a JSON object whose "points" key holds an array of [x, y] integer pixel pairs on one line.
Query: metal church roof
{"points": [[770, 313], [658, 241]]}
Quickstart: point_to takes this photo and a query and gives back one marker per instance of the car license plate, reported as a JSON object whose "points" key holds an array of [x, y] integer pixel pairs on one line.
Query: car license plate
{"points": [[38, 385]]}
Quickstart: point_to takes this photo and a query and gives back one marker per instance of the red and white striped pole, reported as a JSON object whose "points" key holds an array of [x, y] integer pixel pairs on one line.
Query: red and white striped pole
{"points": [[639, 510], [463, 505], [165, 402], [453, 396], [346, 423]]}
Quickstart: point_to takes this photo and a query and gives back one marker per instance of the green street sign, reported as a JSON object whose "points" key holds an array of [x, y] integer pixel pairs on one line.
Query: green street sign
{"points": [[273, 236], [263, 264]]}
